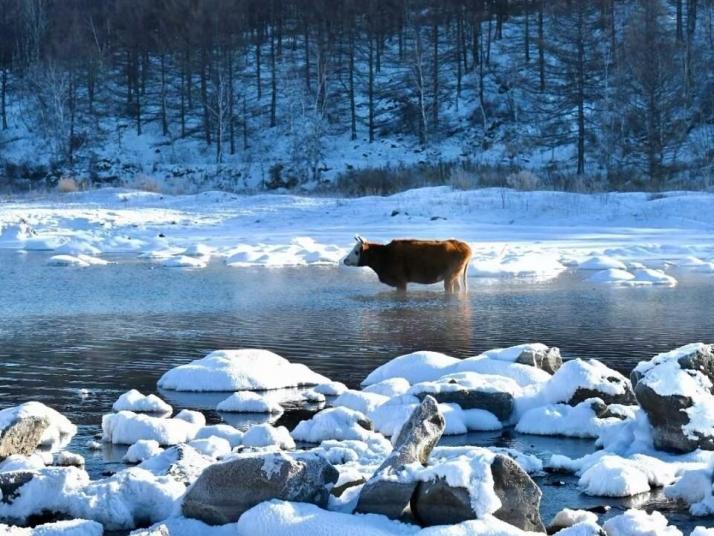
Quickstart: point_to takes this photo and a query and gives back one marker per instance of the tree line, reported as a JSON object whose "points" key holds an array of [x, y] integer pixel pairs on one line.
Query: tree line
{"points": [[620, 86]]}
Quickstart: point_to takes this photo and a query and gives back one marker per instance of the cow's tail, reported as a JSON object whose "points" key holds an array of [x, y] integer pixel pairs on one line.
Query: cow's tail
{"points": [[465, 277]]}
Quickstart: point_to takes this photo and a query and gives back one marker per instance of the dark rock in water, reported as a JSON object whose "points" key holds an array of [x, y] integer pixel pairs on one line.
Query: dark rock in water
{"points": [[224, 491], [520, 496], [438, 503], [22, 436], [11, 482], [498, 403], [385, 495], [337, 491], [667, 415], [547, 359]]}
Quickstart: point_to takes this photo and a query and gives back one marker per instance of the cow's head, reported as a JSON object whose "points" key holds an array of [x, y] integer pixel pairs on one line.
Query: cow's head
{"points": [[354, 258]]}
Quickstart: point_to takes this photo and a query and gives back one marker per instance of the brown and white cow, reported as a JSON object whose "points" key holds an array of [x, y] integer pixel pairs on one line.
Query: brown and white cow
{"points": [[414, 261]]}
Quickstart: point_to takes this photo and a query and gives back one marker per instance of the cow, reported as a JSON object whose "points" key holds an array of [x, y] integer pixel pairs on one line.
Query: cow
{"points": [[414, 261]]}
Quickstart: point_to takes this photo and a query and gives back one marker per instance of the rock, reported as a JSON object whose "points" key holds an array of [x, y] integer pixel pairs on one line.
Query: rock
{"points": [[382, 494], [547, 359], [699, 357], [224, 491], [12, 481], [667, 416], [578, 380], [22, 436], [436, 502], [520, 496], [675, 391], [183, 463], [472, 390]]}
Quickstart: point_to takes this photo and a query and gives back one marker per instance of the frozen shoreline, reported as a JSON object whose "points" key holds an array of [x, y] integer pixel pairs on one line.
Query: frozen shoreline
{"points": [[514, 234]]}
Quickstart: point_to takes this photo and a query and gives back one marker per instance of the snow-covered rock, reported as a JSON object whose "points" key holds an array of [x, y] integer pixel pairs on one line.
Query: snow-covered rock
{"points": [[389, 388], [248, 402], [611, 276], [578, 380], [77, 261], [362, 401], [339, 423], [330, 388], [213, 447], [142, 450], [471, 390], [238, 370], [696, 488], [192, 416], [534, 354], [640, 523], [675, 390], [127, 428], [138, 403], [69, 527], [267, 435], [601, 262], [225, 431], [567, 518]]}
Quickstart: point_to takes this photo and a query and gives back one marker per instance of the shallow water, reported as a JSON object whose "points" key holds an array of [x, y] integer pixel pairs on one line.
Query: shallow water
{"points": [[109, 329]]}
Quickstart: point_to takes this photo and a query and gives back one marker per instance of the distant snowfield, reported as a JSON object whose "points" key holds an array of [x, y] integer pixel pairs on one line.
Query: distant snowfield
{"points": [[621, 239]]}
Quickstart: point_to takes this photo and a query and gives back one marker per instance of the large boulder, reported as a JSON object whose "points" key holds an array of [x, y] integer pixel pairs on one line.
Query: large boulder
{"points": [[385, 493], [224, 491], [676, 391], [439, 502], [471, 390]]}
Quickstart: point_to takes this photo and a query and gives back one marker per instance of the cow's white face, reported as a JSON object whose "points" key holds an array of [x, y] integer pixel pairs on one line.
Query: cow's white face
{"points": [[352, 259]]}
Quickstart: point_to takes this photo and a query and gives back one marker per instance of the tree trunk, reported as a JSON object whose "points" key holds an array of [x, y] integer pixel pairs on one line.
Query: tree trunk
{"points": [[581, 92], [541, 47], [231, 101], [164, 120], [204, 96], [273, 81], [258, 38], [307, 56], [435, 75], [526, 34], [353, 114], [3, 98]]}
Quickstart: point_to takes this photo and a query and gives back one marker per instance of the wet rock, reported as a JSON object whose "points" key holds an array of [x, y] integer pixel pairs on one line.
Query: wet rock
{"points": [[436, 502], [384, 493], [22, 436], [224, 491], [547, 359], [11, 482]]}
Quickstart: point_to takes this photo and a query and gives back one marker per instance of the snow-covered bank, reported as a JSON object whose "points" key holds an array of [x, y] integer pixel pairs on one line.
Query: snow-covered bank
{"points": [[621, 239]]}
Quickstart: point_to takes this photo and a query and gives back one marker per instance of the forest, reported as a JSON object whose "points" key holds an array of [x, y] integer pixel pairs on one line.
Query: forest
{"points": [[250, 94]]}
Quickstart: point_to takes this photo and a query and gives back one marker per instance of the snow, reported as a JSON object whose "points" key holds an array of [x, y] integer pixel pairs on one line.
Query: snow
{"points": [[611, 275], [330, 388], [532, 235], [601, 262], [142, 450], [340, 423], [694, 486], [127, 428], [248, 402], [73, 527], [213, 447], [266, 435], [415, 367], [225, 431], [364, 402], [236, 370], [567, 517], [469, 381], [640, 523], [135, 401], [78, 261], [565, 420], [17, 462], [192, 416], [59, 432], [590, 374], [389, 388]]}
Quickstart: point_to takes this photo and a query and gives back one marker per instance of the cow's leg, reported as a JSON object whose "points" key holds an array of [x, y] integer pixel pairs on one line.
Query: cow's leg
{"points": [[450, 284], [402, 287]]}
